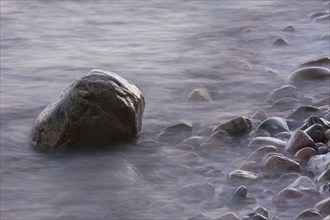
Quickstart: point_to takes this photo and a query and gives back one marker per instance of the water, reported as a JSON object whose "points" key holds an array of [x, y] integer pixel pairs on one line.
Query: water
{"points": [[166, 48]]}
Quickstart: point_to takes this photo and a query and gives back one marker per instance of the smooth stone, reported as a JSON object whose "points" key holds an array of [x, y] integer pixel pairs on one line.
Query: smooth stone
{"points": [[303, 112], [312, 120], [197, 192], [236, 126], [309, 214], [238, 177], [254, 216], [323, 206], [218, 137], [325, 37], [298, 141], [227, 216], [199, 94], [326, 218], [327, 134], [323, 18], [308, 100], [259, 115], [319, 14], [272, 126], [325, 189], [322, 148], [193, 140], [281, 42], [309, 74], [319, 163], [286, 179], [199, 216], [283, 91], [305, 153], [285, 103], [302, 181], [99, 108], [279, 164], [148, 146], [324, 176], [239, 194], [289, 29], [284, 136], [258, 154], [263, 141], [302, 196], [261, 210], [175, 133], [316, 132], [251, 166], [323, 61]]}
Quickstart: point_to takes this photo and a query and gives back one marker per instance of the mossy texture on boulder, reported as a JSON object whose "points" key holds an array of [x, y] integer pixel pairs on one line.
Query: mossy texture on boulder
{"points": [[97, 109]]}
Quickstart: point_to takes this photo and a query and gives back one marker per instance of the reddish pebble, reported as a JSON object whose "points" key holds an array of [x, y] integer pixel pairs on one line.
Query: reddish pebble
{"points": [[305, 153]]}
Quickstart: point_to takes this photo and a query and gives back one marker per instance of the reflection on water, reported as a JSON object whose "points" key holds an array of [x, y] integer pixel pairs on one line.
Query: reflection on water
{"points": [[166, 48]]}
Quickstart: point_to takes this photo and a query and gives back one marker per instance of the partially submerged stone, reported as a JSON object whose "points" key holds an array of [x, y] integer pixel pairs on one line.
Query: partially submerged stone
{"points": [[97, 109], [280, 42], [279, 164], [273, 125], [238, 177], [283, 91], [323, 206], [199, 94], [303, 112], [236, 126], [298, 141], [309, 74]]}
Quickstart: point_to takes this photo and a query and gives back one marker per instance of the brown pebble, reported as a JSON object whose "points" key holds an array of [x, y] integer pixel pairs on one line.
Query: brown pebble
{"points": [[305, 153], [278, 164], [323, 206], [309, 214], [300, 195], [298, 141], [258, 154]]}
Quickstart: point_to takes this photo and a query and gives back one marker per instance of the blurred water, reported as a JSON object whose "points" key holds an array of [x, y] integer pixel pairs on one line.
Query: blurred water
{"points": [[167, 48]]}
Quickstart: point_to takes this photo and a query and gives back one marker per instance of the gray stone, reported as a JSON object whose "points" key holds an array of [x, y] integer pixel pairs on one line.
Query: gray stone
{"points": [[238, 177], [289, 29], [97, 109], [309, 214], [279, 164], [258, 154], [309, 74], [240, 196], [325, 189], [283, 91], [324, 176], [175, 133], [285, 103], [280, 42], [312, 120], [321, 148], [302, 181], [298, 141], [236, 126], [199, 94], [263, 141], [259, 115], [323, 206], [197, 192], [323, 61], [261, 210], [319, 163], [272, 126], [303, 112], [284, 136], [316, 132]]}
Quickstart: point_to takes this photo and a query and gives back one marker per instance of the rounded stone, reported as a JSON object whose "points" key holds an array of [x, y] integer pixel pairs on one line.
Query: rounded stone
{"points": [[278, 164], [312, 120], [197, 192], [280, 42], [284, 136], [305, 153], [309, 214], [98, 108], [272, 126], [176, 133], [289, 29], [303, 112], [285, 103], [298, 141], [199, 94], [258, 154], [236, 126], [322, 148], [309, 74], [262, 141], [323, 206], [316, 132], [323, 61], [302, 181], [238, 177], [259, 115], [318, 163], [324, 176], [283, 91], [239, 194], [306, 196], [261, 210]]}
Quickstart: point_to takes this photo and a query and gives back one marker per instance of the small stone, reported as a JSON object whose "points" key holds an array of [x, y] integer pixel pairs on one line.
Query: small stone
{"points": [[262, 141], [309, 74], [278, 164], [319, 14], [325, 189], [323, 206], [261, 210], [249, 166], [285, 103], [306, 196], [188, 158], [258, 154], [312, 120], [327, 134], [289, 29], [284, 136], [239, 194], [324, 61], [319, 163], [283, 91], [325, 37], [254, 216], [238, 177], [323, 18], [194, 140], [227, 216], [259, 115], [316, 132], [199, 216], [236, 126], [298, 141], [302, 181], [281, 42], [175, 133], [286, 179], [322, 148], [305, 153], [273, 125], [305, 111], [324, 176], [199, 94], [218, 137], [309, 214]]}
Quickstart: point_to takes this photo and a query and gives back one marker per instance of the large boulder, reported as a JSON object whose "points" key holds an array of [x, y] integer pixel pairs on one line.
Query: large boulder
{"points": [[98, 108]]}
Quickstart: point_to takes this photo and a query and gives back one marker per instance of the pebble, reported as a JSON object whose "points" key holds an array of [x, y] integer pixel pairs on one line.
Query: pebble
{"points": [[272, 126], [227, 216], [298, 141], [325, 189], [238, 177], [199, 216], [254, 216], [259, 115], [279, 164], [281, 42], [261, 210], [284, 136], [262, 141], [323, 61], [327, 134], [312, 120], [193, 140], [302, 112], [321, 148], [324, 176], [305, 153], [218, 137], [199, 94], [148, 145], [251, 166], [316, 132], [283, 91], [319, 14], [175, 133], [309, 214], [302, 181], [285, 179], [323, 18], [258, 154], [188, 158], [289, 29], [285, 103], [308, 74], [239, 194], [323, 206], [167, 207], [319, 163], [303, 196], [236, 126]]}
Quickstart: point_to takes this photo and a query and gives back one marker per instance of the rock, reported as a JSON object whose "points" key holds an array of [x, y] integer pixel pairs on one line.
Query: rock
{"points": [[312, 120], [305, 153], [302, 181], [323, 18], [236, 126], [227, 216], [188, 158], [280, 42], [322, 148], [258, 154], [325, 189], [319, 163], [262, 141], [238, 177], [316, 132], [324, 176], [272, 126], [148, 145], [319, 14], [284, 136], [285, 179], [175, 133], [251, 166], [322, 102], [323, 61], [193, 140], [303, 112], [261, 210], [323, 206], [259, 115], [218, 137], [285, 103], [279, 164], [283, 91], [303, 196], [239, 194], [326, 218], [288, 29], [254, 216], [197, 192], [298, 141], [309, 74], [311, 214], [325, 37], [97, 109], [199, 94], [327, 134], [199, 216]]}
